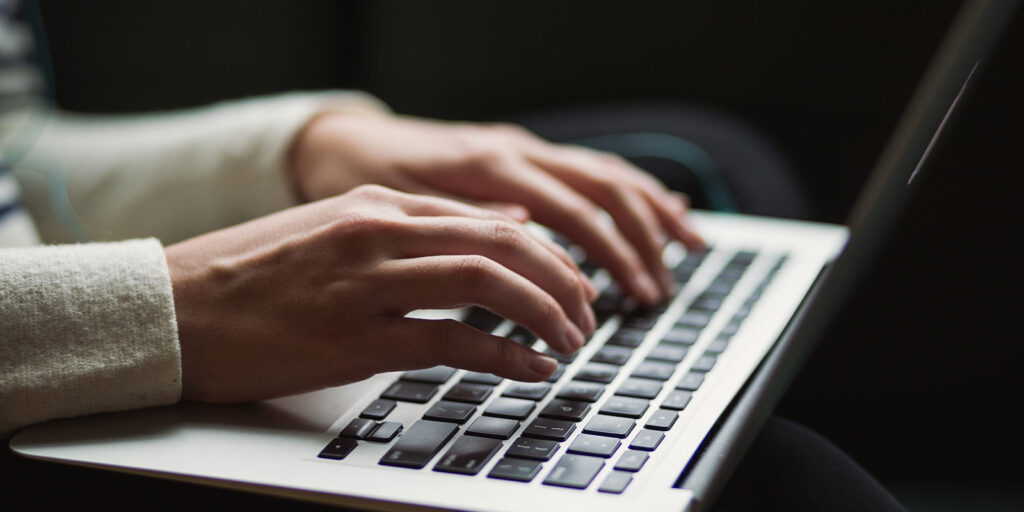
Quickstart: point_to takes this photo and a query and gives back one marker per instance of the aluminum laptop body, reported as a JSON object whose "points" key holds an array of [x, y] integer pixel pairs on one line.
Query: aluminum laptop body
{"points": [[654, 411]]}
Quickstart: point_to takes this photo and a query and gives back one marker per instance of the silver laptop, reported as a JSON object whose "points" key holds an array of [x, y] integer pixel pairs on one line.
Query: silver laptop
{"points": [[653, 412]]}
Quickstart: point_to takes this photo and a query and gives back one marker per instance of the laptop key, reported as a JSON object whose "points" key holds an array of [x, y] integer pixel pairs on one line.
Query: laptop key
{"points": [[338, 449], [662, 419], [657, 370], [667, 352], [468, 455], [581, 391], [358, 428], [482, 319], [385, 432], [691, 381], [639, 388], [598, 446], [615, 482], [511, 408], [625, 406], [681, 336], [407, 391], [719, 345], [468, 392], [560, 357], [597, 372], [522, 336], [574, 471], [647, 440], [498, 428], [613, 426], [557, 374], [482, 378], [537, 449], [546, 428], [565, 410], [632, 460], [612, 355], [677, 400], [435, 375], [705, 363], [519, 470], [450, 411], [527, 390], [625, 337], [694, 319], [378, 409], [419, 444]]}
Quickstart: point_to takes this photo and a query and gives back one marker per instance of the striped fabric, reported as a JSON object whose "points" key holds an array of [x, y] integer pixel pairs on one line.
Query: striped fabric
{"points": [[20, 84]]}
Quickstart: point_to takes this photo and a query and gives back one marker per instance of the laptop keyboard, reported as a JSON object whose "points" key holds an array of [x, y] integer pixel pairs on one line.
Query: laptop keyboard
{"points": [[533, 426]]}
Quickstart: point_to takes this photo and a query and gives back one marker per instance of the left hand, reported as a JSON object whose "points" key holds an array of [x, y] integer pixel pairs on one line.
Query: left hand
{"points": [[560, 186]]}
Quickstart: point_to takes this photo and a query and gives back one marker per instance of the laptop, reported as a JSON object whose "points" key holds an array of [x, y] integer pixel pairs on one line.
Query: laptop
{"points": [[654, 412]]}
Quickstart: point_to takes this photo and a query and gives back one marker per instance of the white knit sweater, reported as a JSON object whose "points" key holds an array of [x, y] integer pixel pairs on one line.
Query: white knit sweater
{"points": [[90, 327]]}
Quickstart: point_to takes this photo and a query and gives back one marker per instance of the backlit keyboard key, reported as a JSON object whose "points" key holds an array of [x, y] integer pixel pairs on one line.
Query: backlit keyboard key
{"points": [[657, 370], [358, 428], [662, 419], [632, 460], [435, 375], [677, 400], [597, 372], [385, 432]]}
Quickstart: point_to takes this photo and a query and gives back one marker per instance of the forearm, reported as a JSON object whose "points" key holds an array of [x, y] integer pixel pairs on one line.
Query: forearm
{"points": [[85, 329], [169, 175]]}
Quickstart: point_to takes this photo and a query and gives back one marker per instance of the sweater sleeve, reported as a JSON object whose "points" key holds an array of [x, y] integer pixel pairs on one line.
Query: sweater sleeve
{"points": [[169, 175], [85, 329]]}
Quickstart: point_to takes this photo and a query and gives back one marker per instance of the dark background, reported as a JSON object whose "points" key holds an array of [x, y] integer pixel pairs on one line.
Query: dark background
{"points": [[918, 378]]}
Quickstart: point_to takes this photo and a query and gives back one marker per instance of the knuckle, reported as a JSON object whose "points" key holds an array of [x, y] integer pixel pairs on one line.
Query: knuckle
{"points": [[485, 158], [372, 191], [474, 268], [507, 235]]}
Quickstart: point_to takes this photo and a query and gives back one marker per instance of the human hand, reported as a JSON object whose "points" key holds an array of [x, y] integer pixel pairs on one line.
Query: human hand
{"points": [[316, 296], [560, 186]]}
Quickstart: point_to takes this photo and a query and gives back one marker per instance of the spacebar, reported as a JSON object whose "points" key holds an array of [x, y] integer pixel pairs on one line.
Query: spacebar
{"points": [[419, 444]]}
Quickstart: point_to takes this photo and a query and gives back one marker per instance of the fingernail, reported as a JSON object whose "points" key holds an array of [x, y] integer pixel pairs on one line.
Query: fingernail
{"points": [[668, 283], [588, 285], [543, 365], [591, 319], [574, 337], [648, 289]]}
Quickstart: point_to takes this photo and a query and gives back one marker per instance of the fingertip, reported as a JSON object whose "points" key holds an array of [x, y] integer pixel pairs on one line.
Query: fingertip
{"points": [[542, 365]]}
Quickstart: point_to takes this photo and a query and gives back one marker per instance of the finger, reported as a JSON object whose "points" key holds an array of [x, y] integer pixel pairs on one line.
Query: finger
{"points": [[670, 208], [510, 245], [515, 211], [453, 343], [443, 282], [556, 204], [633, 215], [421, 205]]}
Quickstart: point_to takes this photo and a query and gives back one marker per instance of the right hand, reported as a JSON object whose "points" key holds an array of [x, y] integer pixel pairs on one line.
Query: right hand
{"points": [[316, 296]]}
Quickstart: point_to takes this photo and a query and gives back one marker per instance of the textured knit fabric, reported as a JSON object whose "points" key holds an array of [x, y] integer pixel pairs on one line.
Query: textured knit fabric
{"points": [[90, 327], [86, 328]]}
